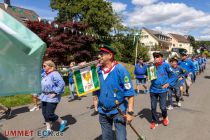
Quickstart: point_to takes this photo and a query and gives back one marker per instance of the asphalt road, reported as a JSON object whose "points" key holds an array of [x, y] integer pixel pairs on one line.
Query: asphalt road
{"points": [[190, 122]]}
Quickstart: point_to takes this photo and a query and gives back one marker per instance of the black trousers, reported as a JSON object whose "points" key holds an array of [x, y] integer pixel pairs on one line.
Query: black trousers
{"points": [[48, 111]]}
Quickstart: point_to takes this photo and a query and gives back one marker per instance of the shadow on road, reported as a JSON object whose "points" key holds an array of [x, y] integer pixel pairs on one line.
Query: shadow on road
{"points": [[100, 137], [70, 120], [140, 92], [207, 77], [2, 137], [146, 113], [20, 110], [15, 112]]}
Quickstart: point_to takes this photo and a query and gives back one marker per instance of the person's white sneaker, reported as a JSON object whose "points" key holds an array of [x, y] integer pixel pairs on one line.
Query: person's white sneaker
{"points": [[37, 108], [179, 104], [34, 108], [170, 107]]}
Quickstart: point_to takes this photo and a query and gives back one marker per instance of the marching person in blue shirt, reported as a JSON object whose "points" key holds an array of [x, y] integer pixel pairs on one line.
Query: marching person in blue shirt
{"points": [[159, 89], [115, 87], [196, 65], [204, 61], [141, 74], [174, 87], [187, 64], [72, 89], [200, 61], [52, 87]]}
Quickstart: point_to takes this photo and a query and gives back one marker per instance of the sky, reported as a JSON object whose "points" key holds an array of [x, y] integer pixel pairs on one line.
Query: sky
{"points": [[186, 17]]}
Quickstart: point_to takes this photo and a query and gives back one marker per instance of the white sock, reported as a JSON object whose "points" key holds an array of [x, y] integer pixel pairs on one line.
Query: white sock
{"points": [[48, 129], [48, 125]]}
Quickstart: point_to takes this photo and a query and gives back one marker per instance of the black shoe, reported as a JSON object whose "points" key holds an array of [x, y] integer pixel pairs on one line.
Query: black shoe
{"points": [[187, 94], [71, 100], [8, 113], [94, 113], [182, 99], [92, 106]]}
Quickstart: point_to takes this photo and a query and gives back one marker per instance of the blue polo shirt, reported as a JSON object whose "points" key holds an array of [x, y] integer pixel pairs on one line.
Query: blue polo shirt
{"points": [[165, 74], [140, 70], [179, 72], [71, 79], [204, 60], [116, 86], [187, 65], [200, 61], [196, 65]]}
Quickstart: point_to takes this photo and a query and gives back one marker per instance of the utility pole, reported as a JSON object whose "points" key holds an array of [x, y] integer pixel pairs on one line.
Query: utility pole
{"points": [[136, 41]]}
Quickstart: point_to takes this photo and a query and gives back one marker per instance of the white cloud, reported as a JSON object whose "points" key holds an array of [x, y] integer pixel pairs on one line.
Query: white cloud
{"points": [[167, 30], [203, 37], [118, 7], [176, 17], [206, 31], [143, 2]]}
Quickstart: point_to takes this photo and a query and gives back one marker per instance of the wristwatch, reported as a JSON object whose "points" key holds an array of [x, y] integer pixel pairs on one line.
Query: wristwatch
{"points": [[130, 113]]}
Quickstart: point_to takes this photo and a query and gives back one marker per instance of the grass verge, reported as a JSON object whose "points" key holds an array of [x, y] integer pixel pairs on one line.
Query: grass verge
{"points": [[24, 99]]}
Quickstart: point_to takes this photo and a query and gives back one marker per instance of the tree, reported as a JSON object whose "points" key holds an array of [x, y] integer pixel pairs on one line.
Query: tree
{"points": [[98, 14], [65, 41], [192, 42], [118, 28], [143, 53], [126, 49]]}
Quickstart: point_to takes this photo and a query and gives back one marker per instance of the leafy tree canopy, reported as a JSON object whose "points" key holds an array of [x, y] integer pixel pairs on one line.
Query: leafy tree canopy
{"points": [[63, 43], [98, 14]]}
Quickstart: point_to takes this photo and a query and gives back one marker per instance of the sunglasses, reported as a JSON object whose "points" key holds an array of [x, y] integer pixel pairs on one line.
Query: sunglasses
{"points": [[102, 53]]}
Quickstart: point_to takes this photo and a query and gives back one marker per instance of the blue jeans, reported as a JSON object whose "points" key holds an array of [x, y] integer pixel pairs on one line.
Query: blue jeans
{"points": [[71, 90], [154, 99], [176, 91], [141, 81], [106, 126]]}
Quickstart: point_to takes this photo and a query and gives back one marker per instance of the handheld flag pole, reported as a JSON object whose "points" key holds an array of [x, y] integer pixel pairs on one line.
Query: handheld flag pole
{"points": [[130, 124]]}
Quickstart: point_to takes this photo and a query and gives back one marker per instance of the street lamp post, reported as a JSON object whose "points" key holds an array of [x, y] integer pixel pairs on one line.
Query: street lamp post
{"points": [[136, 39], [150, 49], [150, 46]]}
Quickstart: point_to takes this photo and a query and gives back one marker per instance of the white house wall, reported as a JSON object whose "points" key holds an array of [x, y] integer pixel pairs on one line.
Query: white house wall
{"points": [[147, 39], [174, 43], [186, 46]]}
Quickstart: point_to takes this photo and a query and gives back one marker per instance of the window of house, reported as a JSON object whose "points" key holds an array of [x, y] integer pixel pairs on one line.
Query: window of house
{"points": [[24, 19]]}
